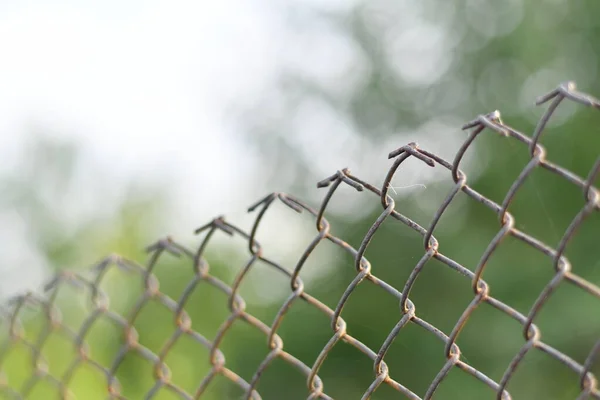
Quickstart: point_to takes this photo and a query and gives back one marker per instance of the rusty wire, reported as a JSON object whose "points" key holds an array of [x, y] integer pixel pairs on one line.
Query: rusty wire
{"points": [[408, 315]]}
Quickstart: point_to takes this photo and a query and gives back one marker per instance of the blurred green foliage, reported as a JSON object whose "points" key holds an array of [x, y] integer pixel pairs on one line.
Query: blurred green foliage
{"points": [[544, 208]]}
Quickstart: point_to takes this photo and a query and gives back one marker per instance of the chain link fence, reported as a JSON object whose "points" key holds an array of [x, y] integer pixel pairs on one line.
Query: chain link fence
{"points": [[16, 312]]}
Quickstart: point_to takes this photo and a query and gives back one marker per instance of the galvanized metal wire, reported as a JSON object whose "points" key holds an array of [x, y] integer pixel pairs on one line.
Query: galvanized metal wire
{"points": [[316, 387]]}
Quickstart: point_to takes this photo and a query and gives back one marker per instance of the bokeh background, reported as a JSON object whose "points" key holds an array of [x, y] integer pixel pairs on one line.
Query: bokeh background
{"points": [[123, 122]]}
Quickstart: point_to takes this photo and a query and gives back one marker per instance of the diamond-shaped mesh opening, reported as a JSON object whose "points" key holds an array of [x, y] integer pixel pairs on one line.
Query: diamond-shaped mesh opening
{"points": [[450, 291], [207, 324], [583, 251], [335, 370], [577, 311], [283, 380], [255, 282], [489, 340], [222, 386], [545, 205], [17, 365], [135, 373], [188, 360], [482, 226], [517, 273], [43, 388], [461, 385], [154, 322], [412, 344], [304, 317], [252, 350], [535, 365], [329, 289], [101, 337], [88, 382], [502, 159], [59, 351], [370, 326]]}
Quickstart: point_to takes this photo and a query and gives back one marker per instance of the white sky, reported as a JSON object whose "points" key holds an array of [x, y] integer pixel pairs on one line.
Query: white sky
{"points": [[140, 86], [137, 83]]}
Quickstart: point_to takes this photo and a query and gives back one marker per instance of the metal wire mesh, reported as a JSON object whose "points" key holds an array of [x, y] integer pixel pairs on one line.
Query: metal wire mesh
{"points": [[316, 389]]}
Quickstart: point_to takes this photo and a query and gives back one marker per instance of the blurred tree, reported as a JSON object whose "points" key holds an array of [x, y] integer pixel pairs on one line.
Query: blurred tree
{"points": [[369, 73]]}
